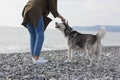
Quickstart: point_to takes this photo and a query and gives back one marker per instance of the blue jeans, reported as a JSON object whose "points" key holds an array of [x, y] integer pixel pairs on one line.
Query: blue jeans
{"points": [[36, 36]]}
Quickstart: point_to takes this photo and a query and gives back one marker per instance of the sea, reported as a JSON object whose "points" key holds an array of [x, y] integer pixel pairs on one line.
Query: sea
{"points": [[17, 39]]}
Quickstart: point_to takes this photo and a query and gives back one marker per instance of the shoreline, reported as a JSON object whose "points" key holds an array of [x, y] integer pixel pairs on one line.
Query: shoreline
{"points": [[19, 66], [110, 46]]}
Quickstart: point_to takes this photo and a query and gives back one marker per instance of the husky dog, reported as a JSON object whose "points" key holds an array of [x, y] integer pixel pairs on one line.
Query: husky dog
{"points": [[90, 43]]}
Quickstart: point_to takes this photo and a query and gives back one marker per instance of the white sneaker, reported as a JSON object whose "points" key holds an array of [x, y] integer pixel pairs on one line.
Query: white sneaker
{"points": [[40, 60]]}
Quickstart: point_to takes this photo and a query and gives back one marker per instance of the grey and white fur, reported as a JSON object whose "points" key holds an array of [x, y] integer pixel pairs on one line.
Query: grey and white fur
{"points": [[90, 43]]}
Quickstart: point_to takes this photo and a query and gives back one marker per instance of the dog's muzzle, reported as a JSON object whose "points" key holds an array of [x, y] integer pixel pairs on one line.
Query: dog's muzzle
{"points": [[57, 26]]}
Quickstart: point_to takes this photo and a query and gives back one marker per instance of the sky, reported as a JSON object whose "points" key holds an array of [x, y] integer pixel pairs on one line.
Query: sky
{"points": [[77, 12]]}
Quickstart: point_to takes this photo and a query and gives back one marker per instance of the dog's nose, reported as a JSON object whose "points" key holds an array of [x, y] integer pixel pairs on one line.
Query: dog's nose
{"points": [[55, 23]]}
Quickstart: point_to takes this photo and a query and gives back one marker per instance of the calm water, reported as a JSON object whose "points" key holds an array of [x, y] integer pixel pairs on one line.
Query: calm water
{"points": [[13, 39]]}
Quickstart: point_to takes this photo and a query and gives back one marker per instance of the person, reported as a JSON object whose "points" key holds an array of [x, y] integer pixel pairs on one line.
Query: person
{"points": [[36, 21]]}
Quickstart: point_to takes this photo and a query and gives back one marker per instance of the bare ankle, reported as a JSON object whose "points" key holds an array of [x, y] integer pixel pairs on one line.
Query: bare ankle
{"points": [[36, 57]]}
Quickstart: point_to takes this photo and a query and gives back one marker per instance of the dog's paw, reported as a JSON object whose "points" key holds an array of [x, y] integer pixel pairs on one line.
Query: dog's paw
{"points": [[90, 64], [68, 60]]}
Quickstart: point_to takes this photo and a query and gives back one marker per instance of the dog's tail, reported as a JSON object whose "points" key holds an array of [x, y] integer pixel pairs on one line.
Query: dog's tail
{"points": [[101, 33]]}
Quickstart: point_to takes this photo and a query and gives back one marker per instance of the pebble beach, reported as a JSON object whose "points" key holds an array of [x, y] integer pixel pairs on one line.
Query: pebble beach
{"points": [[19, 66]]}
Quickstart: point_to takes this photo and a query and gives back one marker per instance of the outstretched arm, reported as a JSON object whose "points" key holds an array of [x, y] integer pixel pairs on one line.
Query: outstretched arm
{"points": [[54, 11]]}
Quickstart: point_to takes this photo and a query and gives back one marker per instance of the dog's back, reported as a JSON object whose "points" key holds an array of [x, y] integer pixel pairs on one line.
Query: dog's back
{"points": [[80, 40]]}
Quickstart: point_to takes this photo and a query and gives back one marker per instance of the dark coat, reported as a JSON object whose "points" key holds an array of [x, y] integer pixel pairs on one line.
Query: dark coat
{"points": [[34, 9]]}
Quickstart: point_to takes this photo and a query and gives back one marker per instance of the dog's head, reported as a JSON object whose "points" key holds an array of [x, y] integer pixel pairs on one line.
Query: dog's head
{"points": [[64, 27]]}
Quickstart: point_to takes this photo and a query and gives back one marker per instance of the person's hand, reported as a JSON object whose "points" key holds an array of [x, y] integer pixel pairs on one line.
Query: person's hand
{"points": [[62, 18]]}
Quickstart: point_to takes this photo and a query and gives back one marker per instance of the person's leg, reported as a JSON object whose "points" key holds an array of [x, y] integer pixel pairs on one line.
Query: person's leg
{"points": [[32, 37], [39, 30]]}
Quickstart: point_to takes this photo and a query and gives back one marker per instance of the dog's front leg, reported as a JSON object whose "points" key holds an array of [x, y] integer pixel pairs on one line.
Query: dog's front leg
{"points": [[69, 55]]}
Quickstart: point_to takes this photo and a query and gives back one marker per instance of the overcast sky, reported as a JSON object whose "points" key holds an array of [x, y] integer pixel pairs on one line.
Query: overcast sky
{"points": [[77, 12]]}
